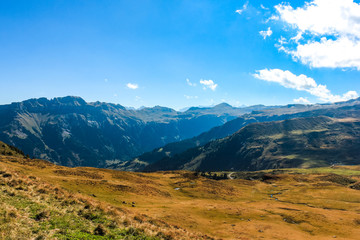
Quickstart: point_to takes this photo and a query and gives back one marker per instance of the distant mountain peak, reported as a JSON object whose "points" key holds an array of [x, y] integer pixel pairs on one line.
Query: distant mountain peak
{"points": [[158, 108], [223, 105], [70, 100], [41, 102]]}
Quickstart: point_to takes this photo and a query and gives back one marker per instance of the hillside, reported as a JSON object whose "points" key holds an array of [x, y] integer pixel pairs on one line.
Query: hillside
{"points": [[32, 208], [8, 150], [337, 110], [71, 132], [301, 142], [44, 201]]}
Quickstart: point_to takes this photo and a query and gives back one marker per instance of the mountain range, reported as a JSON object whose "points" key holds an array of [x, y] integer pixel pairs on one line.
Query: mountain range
{"points": [[71, 132], [337, 110]]}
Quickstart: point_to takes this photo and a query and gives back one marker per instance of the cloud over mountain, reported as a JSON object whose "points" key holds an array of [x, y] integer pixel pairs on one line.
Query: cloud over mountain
{"points": [[301, 100], [302, 83]]}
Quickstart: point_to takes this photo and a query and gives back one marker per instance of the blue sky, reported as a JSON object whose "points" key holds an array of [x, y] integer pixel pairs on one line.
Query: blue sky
{"points": [[180, 53]]}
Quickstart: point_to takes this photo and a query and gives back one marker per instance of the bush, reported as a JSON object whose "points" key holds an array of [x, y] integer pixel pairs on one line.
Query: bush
{"points": [[41, 216], [99, 230]]}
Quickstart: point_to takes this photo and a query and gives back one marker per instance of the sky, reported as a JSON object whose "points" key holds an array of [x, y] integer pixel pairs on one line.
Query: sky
{"points": [[181, 53]]}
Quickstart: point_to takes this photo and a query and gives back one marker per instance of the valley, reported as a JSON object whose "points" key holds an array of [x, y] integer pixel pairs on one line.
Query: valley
{"points": [[180, 120]]}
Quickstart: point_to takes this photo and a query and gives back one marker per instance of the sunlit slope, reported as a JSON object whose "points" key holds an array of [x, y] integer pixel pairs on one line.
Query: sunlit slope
{"points": [[291, 204], [8, 150], [31, 207]]}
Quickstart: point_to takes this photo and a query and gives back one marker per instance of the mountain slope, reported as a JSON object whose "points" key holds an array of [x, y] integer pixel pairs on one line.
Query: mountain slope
{"points": [[72, 132], [338, 110], [300, 142]]}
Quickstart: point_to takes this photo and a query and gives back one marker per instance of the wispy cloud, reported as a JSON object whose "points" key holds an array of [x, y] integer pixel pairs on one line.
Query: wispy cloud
{"points": [[266, 33], [263, 7], [302, 83], [272, 18], [327, 33], [208, 84], [190, 83], [132, 86], [191, 97], [106, 80], [244, 7]]}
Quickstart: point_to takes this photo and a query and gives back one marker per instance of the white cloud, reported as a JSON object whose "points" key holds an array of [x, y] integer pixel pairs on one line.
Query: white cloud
{"points": [[301, 100], [132, 86], [351, 95], [266, 33], [208, 84], [282, 40], [190, 83], [328, 33], [302, 83], [272, 18], [244, 7], [340, 53], [322, 17], [191, 97], [286, 79], [106, 80]]}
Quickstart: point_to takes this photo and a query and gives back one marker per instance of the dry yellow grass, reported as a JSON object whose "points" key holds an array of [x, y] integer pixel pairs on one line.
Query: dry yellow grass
{"points": [[287, 206], [33, 208]]}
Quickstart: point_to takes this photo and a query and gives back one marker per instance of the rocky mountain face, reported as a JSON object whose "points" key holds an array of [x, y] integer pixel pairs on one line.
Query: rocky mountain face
{"points": [[336, 110], [71, 132], [301, 142]]}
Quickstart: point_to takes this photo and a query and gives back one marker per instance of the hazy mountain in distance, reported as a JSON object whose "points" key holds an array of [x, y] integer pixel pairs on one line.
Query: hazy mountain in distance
{"points": [[72, 132]]}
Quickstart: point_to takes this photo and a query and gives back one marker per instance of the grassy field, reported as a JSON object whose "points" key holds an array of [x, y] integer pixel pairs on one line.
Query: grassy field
{"points": [[322, 203]]}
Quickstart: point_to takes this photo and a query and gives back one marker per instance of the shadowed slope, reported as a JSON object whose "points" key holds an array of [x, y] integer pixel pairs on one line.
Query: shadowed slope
{"points": [[72, 132]]}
